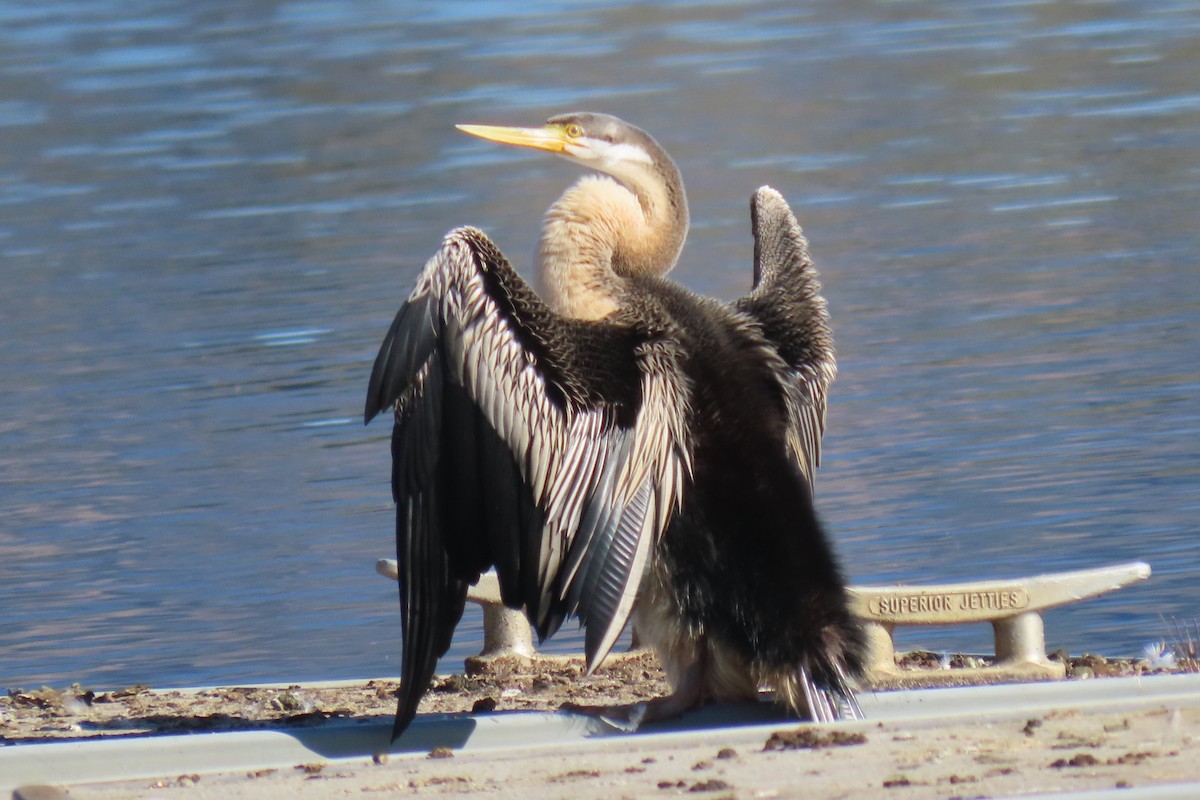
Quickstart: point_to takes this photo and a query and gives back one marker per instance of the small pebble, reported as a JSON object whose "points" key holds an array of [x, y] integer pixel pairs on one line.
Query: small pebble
{"points": [[710, 785], [484, 705]]}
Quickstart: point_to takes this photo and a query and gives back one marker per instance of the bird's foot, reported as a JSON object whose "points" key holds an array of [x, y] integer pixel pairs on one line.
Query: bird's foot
{"points": [[625, 717], [688, 695], [631, 716]]}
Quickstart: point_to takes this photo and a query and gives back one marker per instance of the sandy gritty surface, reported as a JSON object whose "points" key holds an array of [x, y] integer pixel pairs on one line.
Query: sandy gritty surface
{"points": [[50, 714]]}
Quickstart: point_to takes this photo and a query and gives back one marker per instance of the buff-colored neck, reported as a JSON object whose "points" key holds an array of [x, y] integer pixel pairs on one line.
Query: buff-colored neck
{"points": [[599, 233]]}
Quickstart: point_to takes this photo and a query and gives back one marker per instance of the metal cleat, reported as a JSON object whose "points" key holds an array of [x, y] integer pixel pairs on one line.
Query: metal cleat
{"points": [[1012, 607], [506, 632]]}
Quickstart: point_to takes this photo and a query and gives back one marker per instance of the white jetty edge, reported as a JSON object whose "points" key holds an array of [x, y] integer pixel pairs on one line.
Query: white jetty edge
{"points": [[1013, 607]]}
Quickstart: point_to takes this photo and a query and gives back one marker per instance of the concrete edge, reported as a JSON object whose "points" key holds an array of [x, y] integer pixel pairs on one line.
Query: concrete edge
{"points": [[128, 758]]}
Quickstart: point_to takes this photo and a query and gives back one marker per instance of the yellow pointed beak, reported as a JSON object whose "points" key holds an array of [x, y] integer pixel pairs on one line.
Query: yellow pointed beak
{"points": [[550, 139]]}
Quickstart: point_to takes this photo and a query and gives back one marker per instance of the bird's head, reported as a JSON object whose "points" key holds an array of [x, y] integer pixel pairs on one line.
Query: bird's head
{"points": [[597, 141]]}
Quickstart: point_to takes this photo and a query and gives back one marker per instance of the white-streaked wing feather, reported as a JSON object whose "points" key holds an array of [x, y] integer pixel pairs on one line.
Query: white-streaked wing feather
{"points": [[605, 492]]}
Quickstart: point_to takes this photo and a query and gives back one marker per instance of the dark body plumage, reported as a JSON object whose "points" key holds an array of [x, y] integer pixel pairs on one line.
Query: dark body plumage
{"points": [[745, 556], [662, 452]]}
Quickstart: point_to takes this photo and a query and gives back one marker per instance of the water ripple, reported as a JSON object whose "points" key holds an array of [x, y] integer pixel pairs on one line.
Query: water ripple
{"points": [[212, 211]]}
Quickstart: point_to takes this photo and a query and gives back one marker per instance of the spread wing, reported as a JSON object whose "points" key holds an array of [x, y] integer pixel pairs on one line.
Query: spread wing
{"points": [[553, 449], [787, 304]]}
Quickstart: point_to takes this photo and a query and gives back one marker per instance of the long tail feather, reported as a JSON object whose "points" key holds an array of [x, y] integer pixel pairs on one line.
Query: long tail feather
{"points": [[822, 702]]}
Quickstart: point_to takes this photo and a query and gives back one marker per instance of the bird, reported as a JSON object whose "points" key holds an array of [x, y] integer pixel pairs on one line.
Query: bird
{"points": [[616, 446]]}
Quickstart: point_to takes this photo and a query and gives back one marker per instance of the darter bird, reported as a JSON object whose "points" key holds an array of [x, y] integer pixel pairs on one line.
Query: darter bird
{"points": [[616, 445]]}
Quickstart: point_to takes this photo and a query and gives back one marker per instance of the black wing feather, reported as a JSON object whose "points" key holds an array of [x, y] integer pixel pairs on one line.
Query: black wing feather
{"points": [[792, 315], [547, 447]]}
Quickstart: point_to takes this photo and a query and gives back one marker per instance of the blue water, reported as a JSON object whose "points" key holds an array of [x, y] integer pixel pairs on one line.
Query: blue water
{"points": [[209, 213]]}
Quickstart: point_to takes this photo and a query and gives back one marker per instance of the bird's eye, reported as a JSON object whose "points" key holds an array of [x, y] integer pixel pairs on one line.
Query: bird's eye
{"points": [[574, 130]]}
